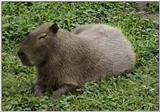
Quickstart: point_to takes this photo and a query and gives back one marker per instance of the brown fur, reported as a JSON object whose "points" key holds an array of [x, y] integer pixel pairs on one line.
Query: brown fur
{"points": [[66, 60]]}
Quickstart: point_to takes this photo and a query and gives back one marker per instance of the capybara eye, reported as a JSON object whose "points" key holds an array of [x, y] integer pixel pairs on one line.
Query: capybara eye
{"points": [[42, 36]]}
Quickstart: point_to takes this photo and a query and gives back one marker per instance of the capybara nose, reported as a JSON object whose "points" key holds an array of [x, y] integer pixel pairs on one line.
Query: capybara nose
{"points": [[21, 55]]}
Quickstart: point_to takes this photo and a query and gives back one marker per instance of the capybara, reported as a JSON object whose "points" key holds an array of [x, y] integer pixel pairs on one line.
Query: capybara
{"points": [[66, 60]]}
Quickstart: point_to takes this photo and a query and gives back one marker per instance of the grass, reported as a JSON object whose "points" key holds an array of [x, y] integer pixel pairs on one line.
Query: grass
{"points": [[137, 90]]}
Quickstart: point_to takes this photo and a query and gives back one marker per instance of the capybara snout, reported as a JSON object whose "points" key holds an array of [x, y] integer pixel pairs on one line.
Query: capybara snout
{"points": [[23, 57]]}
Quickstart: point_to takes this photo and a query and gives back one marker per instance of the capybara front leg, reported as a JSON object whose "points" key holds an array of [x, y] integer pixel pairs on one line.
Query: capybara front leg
{"points": [[63, 90]]}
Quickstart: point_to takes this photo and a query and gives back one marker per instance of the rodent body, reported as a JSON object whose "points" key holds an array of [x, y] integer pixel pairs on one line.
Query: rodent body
{"points": [[111, 43], [70, 59]]}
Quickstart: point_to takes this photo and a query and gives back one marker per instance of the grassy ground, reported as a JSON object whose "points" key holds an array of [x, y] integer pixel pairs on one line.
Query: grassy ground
{"points": [[137, 90]]}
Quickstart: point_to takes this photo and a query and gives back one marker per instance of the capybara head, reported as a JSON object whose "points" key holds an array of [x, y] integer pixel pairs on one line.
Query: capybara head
{"points": [[35, 48]]}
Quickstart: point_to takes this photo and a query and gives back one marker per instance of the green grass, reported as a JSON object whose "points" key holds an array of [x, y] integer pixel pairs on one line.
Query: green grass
{"points": [[137, 90]]}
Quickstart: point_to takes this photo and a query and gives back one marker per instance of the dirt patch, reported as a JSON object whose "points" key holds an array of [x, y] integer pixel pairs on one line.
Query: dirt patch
{"points": [[149, 10]]}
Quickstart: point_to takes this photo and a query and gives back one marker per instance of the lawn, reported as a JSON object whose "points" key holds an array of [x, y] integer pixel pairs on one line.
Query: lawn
{"points": [[137, 90]]}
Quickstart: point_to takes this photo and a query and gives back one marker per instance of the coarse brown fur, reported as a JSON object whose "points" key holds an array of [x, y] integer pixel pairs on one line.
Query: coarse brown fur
{"points": [[66, 60]]}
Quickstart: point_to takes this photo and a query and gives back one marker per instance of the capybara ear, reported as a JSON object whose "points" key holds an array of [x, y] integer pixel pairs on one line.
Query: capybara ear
{"points": [[54, 28]]}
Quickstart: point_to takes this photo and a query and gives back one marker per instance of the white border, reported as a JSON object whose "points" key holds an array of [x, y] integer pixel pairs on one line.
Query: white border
{"points": [[60, 1]]}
